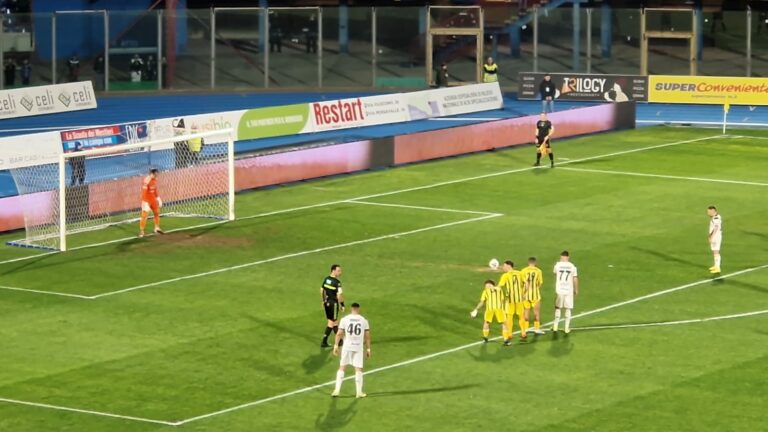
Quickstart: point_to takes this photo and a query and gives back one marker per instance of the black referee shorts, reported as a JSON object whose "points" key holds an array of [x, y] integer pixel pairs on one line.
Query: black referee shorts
{"points": [[332, 311], [542, 140]]}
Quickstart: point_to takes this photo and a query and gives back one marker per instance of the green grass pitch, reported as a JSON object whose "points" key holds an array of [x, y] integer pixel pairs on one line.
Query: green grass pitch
{"points": [[218, 328]]}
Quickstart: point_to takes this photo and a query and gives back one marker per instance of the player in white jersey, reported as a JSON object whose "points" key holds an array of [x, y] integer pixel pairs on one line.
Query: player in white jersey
{"points": [[715, 236], [356, 332], [566, 288]]}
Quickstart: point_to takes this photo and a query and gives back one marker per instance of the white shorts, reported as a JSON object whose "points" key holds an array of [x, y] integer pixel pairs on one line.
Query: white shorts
{"points": [[564, 301], [716, 243], [354, 358]]}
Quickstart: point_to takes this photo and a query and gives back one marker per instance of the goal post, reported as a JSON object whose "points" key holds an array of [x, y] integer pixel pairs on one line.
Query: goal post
{"points": [[92, 189]]}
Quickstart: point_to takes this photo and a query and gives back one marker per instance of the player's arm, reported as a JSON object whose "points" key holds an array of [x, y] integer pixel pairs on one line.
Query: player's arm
{"points": [[368, 343], [339, 335], [341, 298], [322, 296], [551, 132], [576, 285], [479, 305]]}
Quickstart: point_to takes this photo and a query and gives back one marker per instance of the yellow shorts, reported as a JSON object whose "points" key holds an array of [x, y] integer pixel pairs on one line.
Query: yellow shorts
{"points": [[515, 309], [530, 304], [494, 313]]}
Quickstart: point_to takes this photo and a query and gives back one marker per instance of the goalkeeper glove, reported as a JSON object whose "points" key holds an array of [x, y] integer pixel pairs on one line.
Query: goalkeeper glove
{"points": [[159, 202]]}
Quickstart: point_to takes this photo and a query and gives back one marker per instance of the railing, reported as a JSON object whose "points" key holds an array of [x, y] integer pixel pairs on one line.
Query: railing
{"points": [[354, 47]]}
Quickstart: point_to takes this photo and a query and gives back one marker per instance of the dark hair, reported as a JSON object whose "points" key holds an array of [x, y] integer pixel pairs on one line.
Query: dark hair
{"points": [[565, 253], [509, 263], [712, 208], [531, 259], [355, 305], [488, 281], [334, 267], [153, 171]]}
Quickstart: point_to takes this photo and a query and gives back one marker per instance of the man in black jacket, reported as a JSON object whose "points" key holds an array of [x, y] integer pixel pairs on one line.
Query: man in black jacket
{"points": [[548, 91], [441, 80], [77, 164]]}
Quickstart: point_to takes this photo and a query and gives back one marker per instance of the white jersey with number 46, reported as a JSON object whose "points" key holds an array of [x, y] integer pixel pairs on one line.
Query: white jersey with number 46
{"points": [[565, 271], [354, 327]]}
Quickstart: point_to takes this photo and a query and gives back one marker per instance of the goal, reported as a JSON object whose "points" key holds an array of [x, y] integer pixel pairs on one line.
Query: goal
{"points": [[92, 189]]}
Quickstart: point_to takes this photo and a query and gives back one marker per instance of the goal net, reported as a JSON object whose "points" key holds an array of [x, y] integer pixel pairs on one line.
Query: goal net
{"points": [[92, 189]]}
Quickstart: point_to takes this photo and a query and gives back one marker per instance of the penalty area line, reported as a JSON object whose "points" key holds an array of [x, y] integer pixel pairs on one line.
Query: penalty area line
{"points": [[671, 323], [463, 347], [84, 411], [664, 176]]}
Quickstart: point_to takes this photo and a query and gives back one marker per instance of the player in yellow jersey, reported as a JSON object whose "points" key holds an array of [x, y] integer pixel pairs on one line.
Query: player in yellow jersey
{"points": [[534, 279], [513, 284], [493, 299]]}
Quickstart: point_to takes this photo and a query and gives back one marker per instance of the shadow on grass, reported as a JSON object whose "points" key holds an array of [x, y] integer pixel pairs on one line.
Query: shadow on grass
{"points": [[561, 345], [315, 361], [669, 258], [339, 414], [423, 391]]}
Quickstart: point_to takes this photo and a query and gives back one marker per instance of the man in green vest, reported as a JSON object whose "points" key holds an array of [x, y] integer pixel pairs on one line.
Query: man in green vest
{"points": [[490, 71], [195, 147]]}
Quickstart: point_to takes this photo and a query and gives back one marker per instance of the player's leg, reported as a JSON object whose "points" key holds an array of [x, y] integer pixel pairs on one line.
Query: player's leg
{"points": [[568, 306], [550, 153], [558, 305], [538, 152], [340, 374], [357, 363], [501, 318], [143, 220], [330, 323], [520, 312], [156, 218], [487, 324], [715, 247]]}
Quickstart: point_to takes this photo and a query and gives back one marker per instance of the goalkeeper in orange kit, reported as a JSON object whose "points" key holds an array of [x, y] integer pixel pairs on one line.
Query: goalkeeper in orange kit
{"points": [[150, 200]]}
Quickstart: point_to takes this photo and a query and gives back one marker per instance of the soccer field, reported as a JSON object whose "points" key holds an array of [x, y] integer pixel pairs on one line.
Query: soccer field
{"points": [[218, 328]]}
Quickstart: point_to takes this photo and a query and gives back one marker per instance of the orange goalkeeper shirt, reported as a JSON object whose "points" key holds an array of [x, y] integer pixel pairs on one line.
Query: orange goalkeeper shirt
{"points": [[149, 190]]}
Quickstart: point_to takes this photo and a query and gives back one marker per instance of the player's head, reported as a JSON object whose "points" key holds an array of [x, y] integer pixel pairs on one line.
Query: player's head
{"points": [[489, 283], [153, 172], [78, 145], [711, 211], [532, 261], [355, 308], [489, 60], [508, 265], [565, 256], [543, 116], [336, 270]]}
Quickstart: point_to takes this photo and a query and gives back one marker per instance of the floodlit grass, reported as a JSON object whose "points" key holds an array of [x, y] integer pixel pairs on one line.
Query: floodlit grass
{"points": [[171, 328]]}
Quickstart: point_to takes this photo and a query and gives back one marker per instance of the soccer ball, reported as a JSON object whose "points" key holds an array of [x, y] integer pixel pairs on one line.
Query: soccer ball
{"points": [[493, 264]]}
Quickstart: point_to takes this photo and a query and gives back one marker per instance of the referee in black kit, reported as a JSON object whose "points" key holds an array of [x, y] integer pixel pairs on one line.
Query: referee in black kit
{"points": [[544, 131], [333, 299]]}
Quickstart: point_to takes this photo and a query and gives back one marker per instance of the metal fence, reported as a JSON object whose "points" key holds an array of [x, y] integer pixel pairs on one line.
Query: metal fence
{"points": [[356, 47]]}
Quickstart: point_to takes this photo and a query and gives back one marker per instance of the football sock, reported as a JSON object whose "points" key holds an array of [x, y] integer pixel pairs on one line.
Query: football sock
{"points": [[557, 319], [156, 218], [567, 320], [523, 327], [326, 334], [538, 158], [486, 332], [339, 379], [143, 222], [505, 333], [537, 325], [717, 260], [335, 329], [358, 381], [552, 157]]}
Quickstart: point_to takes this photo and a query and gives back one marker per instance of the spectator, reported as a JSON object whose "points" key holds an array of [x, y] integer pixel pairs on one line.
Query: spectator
{"points": [[136, 67], [442, 76], [151, 70], [10, 73], [77, 164], [548, 91], [311, 34], [180, 148], [490, 71], [73, 68], [275, 36], [98, 69], [26, 72]]}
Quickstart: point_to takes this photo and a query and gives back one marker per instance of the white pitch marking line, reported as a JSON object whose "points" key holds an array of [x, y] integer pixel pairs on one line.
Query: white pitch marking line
{"points": [[425, 208], [416, 188], [294, 255], [663, 176], [671, 323], [9, 288], [463, 347], [749, 136], [82, 411]]}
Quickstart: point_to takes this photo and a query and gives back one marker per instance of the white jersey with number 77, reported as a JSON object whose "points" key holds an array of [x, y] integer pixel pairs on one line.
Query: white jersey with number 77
{"points": [[354, 327], [565, 271]]}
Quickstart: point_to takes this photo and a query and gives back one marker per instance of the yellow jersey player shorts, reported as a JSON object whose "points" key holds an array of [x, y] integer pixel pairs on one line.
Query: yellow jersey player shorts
{"points": [[490, 314]]}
